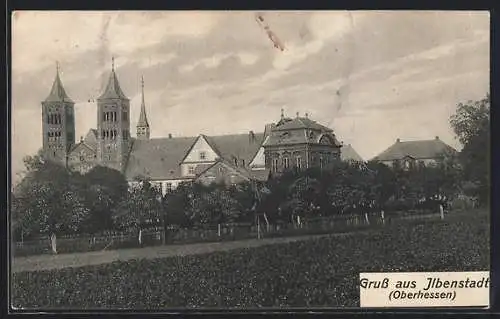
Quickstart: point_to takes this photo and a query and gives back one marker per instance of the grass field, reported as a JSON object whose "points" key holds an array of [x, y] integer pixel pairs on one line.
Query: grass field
{"points": [[318, 272]]}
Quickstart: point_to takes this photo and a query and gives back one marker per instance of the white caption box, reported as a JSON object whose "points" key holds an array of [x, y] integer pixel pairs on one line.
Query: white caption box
{"points": [[425, 289]]}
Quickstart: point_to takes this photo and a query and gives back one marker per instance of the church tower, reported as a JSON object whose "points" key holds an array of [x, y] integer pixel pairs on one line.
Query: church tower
{"points": [[143, 130], [58, 123], [113, 125]]}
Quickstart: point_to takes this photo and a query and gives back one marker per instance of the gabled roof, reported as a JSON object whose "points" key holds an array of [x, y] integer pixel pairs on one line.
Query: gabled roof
{"points": [[91, 138], [239, 146], [158, 158], [261, 175], [348, 153], [113, 89], [82, 144], [58, 93], [423, 149]]}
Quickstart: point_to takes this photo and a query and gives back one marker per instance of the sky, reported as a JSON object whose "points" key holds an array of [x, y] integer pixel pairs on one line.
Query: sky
{"points": [[372, 76]]}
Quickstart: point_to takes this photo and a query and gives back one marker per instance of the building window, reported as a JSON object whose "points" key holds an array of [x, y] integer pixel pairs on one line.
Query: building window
{"points": [[125, 136], [286, 163], [298, 163], [242, 163], [203, 155], [407, 164], [220, 169], [321, 162], [191, 170], [82, 157], [169, 187], [275, 164], [125, 116]]}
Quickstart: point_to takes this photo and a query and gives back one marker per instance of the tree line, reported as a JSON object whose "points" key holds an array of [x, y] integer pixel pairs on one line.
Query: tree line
{"points": [[53, 200]]}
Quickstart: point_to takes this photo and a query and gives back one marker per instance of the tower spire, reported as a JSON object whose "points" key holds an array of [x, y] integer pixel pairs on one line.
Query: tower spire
{"points": [[57, 92], [113, 89], [143, 125]]}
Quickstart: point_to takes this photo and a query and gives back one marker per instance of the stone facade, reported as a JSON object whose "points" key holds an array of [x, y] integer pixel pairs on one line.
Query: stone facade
{"points": [[298, 143]]}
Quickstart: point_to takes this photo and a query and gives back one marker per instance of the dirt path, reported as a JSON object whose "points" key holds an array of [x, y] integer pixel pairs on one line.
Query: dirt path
{"points": [[45, 262]]}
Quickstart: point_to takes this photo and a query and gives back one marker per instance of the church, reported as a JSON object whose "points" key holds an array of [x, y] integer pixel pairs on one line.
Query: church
{"points": [[291, 143]]}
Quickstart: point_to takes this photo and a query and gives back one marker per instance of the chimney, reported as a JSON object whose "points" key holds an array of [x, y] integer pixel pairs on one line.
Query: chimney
{"points": [[251, 137], [398, 140], [297, 114], [437, 138], [81, 139], [307, 115], [169, 135]]}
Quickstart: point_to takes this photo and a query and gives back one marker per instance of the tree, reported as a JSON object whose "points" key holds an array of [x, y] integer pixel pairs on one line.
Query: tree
{"points": [[48, 200], [104, 189], [471, 124], [142, 206]]}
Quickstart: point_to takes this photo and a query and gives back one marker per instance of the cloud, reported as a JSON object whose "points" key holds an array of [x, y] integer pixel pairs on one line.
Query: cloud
{"points": [[65, 35], [372, 76]]}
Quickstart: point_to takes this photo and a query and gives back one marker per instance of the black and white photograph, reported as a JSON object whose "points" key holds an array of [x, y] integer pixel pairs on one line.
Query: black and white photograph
{"points": [[244, 160]]}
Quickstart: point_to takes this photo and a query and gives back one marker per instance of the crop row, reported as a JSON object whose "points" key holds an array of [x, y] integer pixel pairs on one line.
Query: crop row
{"points": [[320, 272]]}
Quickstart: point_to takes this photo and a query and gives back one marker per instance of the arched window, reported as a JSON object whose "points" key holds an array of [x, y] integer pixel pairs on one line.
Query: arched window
{"points": [[298, 162], [286, 162]]}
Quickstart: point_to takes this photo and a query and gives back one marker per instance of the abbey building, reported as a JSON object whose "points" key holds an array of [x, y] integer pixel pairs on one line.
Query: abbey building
{"points": [[291, 143]]}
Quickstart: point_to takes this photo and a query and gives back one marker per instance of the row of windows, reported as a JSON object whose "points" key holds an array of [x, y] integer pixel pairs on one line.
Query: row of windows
{"points": [[54, 119], [113, 134], [54, 136], [286, 163], [113, 117]]}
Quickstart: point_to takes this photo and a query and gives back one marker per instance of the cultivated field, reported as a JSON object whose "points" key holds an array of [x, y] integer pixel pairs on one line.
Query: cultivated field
{"points": [[317, 272]]}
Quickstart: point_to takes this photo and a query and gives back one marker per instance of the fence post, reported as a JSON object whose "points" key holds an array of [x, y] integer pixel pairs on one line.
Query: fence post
{"points": [[382, 215], [441, 211], [366, 218]]}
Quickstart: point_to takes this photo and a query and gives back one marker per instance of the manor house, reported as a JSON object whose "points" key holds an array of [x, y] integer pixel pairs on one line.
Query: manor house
{"points": [[291, 143]]}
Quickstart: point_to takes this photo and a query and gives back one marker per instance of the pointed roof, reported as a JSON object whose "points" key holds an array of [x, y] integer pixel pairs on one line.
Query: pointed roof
{"points": [[57, 93], [143, 119], [113, 89]]}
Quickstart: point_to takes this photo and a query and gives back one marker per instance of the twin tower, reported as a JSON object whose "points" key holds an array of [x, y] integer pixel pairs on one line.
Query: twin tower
{"points": [[112, 140]]}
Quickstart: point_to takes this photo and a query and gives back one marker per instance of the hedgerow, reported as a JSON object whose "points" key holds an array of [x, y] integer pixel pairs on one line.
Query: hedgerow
{"points": [[322, 272]]}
